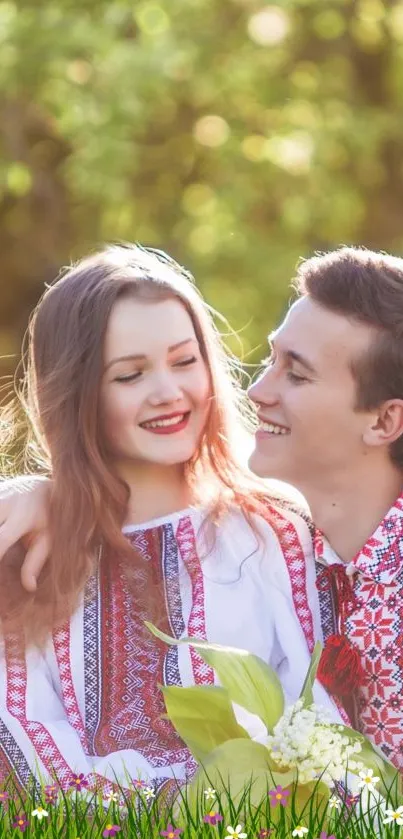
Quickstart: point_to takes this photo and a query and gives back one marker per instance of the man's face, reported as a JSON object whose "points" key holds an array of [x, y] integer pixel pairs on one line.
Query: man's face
{"points": [[309, 429]]}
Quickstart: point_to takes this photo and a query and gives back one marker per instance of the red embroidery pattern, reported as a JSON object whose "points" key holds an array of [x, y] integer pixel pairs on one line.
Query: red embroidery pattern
{"points": [[376, 632], [296, 563], [375, 627], [133, 662], [295, 560], [61, 641], [185, 535], [42, 741]]}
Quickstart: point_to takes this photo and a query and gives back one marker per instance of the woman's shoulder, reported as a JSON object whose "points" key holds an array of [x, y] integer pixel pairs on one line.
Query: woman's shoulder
{"points": [[279, 517], [283, 514], [266, 535]]}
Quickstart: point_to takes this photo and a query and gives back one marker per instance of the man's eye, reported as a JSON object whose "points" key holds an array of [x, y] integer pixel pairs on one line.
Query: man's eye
{"points": [[294, 378], [131, 378]]}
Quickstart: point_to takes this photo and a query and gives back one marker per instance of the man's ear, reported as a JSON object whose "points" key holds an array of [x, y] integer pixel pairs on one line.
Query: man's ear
{"points": [[386, 425]]}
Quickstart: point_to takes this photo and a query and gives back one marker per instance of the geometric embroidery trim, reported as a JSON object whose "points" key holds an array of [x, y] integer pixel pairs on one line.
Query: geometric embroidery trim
{"points": [[61, 642], [15, 759], [169, 550], [296, 564], [40, 737], [92, 654], [375, 628], [203, 674]]}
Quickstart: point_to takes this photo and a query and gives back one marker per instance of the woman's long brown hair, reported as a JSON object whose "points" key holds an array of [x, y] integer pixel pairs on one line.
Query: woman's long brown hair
{"points": [[61, 399]]}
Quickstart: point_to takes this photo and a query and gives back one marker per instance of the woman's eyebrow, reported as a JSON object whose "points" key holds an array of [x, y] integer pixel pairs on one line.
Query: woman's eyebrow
{"points": [[142, 356]]}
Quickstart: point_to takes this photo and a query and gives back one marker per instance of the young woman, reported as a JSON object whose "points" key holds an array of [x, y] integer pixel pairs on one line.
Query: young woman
{"points": [[135, 413]]}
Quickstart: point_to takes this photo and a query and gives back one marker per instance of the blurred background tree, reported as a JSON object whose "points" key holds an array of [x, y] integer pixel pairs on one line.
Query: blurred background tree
{"points": [[238, 135]]}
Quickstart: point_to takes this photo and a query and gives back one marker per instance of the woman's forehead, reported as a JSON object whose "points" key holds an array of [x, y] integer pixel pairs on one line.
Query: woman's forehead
{"points": [[144, 327]]}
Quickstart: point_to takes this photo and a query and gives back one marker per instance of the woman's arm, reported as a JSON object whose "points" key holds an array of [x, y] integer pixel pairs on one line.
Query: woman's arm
{"points": [[24, 503]]}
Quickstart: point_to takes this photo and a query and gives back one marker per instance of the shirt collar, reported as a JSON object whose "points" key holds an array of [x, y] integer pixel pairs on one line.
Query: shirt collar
{"points": [[381, 558]]}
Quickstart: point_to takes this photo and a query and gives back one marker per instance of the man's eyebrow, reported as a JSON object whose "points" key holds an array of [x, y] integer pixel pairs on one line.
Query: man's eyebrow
{"points": [[293, 355], [142, 357]]}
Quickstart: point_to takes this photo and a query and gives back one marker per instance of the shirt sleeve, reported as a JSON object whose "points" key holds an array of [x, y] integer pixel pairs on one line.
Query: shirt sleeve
{"points": [[291, 657], [37, 739], [287, 569]]}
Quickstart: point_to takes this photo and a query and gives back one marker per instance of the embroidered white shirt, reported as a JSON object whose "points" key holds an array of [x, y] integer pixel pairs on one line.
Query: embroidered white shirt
{"points": [[89, 703]]}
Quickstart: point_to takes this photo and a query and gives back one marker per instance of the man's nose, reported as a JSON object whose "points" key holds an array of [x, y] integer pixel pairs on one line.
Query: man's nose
{"points": [[165, 389], [264, 390]]}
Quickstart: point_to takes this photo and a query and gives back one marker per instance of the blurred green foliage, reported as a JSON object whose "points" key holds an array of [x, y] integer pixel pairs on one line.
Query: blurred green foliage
{"points": [[238, 135]]}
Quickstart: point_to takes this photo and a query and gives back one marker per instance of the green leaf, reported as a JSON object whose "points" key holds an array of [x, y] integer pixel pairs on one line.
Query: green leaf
{"points": [[202, 716], [242, 772], [311, 796], [307, 688], [250, 682], [238, 768]]}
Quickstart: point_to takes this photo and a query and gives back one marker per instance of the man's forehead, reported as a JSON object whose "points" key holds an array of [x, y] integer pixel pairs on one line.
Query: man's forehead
{"points": [[319, 334]]}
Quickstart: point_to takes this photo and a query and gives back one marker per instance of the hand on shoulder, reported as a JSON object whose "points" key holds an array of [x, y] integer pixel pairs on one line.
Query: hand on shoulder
{"points": [[24, 507]]}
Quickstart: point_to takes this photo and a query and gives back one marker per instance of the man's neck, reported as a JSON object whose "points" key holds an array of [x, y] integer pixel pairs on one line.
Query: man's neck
{"points": [[349, 512]]}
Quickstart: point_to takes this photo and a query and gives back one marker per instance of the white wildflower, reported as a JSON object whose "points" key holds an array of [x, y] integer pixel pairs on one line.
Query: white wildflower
{"points": [[300, 831], [394, 816], [40, 813], [210, 794], [235, 832], [148, 793], [112, 797], [334, 802], [368, 780]]}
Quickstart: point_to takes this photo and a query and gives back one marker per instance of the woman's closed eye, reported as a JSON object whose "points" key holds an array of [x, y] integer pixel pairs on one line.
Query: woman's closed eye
{"points": [[131, 378], [186, 362]]}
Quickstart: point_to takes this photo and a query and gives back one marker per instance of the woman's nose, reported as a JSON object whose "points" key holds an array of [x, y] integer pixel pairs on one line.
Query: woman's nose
{"points": [[165, 389]]}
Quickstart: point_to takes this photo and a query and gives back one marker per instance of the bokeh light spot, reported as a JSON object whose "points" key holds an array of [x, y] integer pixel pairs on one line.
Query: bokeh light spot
{"points": [[269, 26], [211, 130], [152, 19]]}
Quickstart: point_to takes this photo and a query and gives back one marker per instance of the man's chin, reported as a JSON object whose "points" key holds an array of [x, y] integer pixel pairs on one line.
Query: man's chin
{"points": [[265, 467], [259, 466]]}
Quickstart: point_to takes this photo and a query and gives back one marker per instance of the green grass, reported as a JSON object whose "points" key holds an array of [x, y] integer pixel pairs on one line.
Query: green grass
{"points": [[84, 815]]}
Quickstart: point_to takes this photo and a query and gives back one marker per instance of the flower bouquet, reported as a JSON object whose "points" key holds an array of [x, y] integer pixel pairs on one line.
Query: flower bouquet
{"points": [[303, 754]]}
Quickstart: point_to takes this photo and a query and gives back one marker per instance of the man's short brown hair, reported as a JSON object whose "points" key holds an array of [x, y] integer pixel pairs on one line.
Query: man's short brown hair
{"points": [[367, 287]]}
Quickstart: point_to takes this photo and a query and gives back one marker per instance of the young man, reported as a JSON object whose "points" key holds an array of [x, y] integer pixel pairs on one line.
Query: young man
{"points": [[330, 405]]}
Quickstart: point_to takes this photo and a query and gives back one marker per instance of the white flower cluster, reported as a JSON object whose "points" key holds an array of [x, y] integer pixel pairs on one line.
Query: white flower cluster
{"points": [[303, 738]]}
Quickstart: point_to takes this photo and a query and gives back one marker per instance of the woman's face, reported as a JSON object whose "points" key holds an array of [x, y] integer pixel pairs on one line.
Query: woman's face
{"points": [[155, 391]]}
